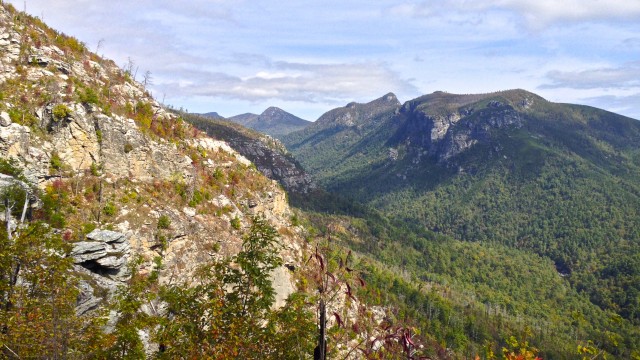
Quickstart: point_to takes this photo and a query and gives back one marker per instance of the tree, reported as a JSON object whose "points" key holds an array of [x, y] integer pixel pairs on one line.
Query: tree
{"points": [[128, 305], [37, 299], [228, 312], [147, 79]]}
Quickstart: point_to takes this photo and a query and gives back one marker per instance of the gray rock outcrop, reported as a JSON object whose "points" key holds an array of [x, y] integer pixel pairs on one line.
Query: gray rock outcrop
{"points": [[103, 259], [105, 252]]}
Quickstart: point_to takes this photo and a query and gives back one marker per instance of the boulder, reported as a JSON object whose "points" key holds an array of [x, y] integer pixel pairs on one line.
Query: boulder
{"points": [[107, 248], [5, 120], [106, 236], [88, 250]]}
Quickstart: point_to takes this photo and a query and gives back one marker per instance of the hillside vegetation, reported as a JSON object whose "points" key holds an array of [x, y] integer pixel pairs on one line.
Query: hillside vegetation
{"points": [[130, 231], [507, 171]]}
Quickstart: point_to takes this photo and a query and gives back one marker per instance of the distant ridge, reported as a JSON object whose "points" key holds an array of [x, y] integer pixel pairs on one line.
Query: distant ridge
{"points": [[273, 121], [213, 115]]}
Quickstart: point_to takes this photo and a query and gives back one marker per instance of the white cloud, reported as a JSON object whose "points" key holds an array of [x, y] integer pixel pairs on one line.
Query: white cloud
{"points": [[328, 83], [549, 11], [623, 77], [536, 13]]}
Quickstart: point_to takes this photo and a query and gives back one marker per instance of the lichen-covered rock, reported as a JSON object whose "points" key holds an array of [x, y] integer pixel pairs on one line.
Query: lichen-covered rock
{"points": [[88, 250], [106, 236]]}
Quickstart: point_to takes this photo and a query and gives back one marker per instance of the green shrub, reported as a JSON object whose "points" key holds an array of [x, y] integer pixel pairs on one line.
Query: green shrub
{"points": [[10, 167], [128, 148], [164, 222], [88, 96], [110, 209], [161, 240], [22, 117], [57, 220], [295, 221], [60, 112], [70, 44], [235, 223], [218, 174], [144, 114], [95, 169], [196, 199], [88, 227], [55, 163]]}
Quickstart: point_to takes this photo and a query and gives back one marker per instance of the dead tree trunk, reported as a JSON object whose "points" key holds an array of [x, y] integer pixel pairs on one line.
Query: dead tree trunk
{"points": [[320, 352]]}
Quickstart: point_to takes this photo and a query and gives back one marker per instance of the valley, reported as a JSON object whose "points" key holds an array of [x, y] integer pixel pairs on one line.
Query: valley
{"points": [[479, 226]]}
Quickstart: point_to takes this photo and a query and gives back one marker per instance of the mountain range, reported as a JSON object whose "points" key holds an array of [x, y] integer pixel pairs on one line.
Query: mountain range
{"points": [[273, 121], [509, 167], [445, 227]]}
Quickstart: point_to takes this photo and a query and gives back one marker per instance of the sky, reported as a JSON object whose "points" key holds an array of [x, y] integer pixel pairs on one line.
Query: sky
{"points": [[307, 57]]}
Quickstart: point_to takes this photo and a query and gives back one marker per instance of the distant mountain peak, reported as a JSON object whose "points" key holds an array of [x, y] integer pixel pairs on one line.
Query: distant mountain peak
{"points": [[273, 111], [358, 114], [390, 97], [273, 121], [387, 99]]}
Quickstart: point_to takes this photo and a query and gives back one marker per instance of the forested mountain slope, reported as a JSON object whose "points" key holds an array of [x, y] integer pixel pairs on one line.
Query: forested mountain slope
{"points": [[505, 168]]}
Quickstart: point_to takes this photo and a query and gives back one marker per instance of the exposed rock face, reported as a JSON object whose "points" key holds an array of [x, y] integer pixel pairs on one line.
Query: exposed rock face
{"points": [[446, 131], [269, 155], [86, 118], [217, 145], [282, 285], [89, 137], [276, 164]]}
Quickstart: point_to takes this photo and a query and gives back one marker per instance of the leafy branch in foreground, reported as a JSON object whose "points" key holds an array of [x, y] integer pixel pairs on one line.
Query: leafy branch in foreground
{"points": [[349, 328]]}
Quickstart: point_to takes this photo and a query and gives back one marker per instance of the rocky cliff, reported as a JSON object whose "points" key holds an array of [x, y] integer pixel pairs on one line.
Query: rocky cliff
{"points": [[119, 176], [444, 125], [268, 154]]}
